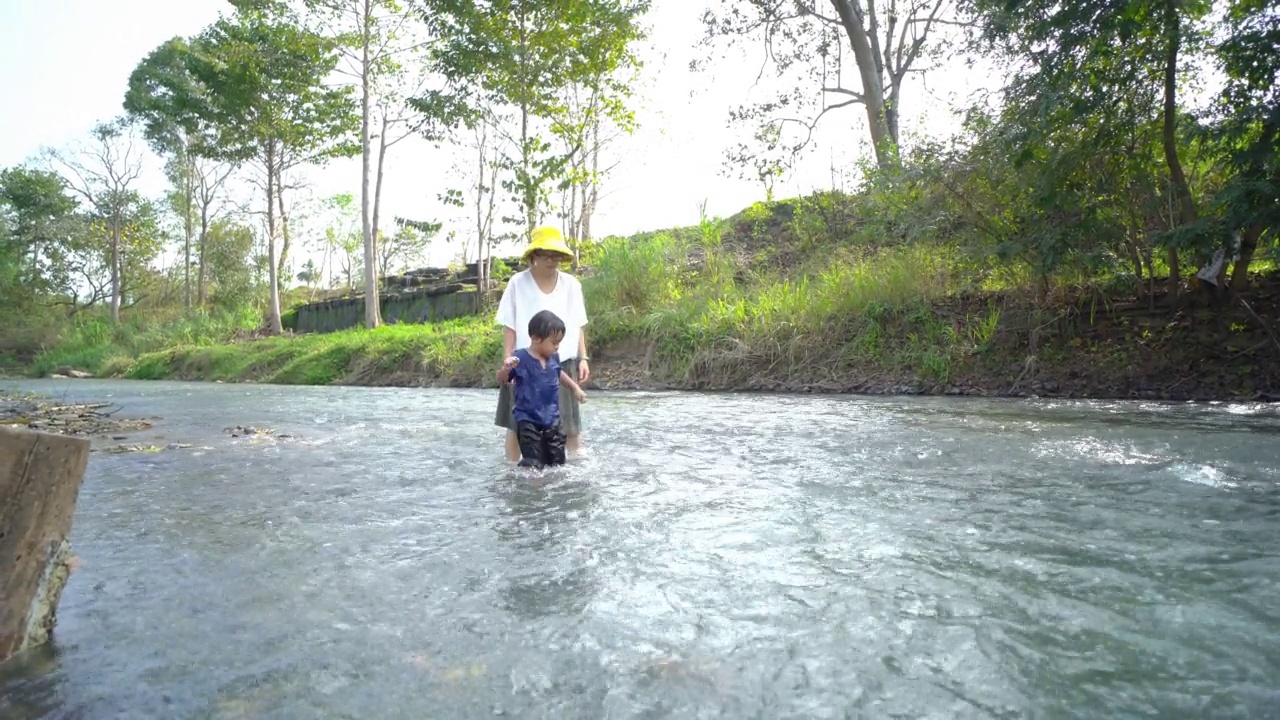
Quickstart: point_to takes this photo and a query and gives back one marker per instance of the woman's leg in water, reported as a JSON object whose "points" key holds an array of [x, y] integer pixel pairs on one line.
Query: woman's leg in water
{"points": [[512, 447], [504, 419]]}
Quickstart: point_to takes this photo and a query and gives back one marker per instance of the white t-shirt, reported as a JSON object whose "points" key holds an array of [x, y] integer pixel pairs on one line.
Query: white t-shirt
{"points": [[522, 299]]}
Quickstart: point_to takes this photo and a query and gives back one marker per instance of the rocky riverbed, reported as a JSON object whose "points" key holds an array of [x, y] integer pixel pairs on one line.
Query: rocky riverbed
{"points": [[101, 422]]}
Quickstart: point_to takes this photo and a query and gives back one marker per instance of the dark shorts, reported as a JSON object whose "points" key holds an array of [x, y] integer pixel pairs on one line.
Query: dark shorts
{"points": [[570, 410], [539, 446]]}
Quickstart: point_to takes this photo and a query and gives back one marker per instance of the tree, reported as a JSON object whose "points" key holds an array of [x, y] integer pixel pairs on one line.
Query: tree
{"points": [[887, 43], [524, 55], [374, 36], [159, 90], [166, 98], [1079, 57], [482, 170], [103, 174], [1248, 129], [229, 263], [267, 100], [211, 178], [36, 212], [404, 247], [586, 127]]}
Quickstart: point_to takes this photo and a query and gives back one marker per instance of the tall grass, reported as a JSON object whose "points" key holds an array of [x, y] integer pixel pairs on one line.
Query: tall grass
{"points": [[712, 321], [93, 341], [463, 351]]}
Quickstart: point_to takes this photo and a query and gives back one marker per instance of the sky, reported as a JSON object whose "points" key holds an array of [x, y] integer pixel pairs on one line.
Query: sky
{"points": [[65, 64]]}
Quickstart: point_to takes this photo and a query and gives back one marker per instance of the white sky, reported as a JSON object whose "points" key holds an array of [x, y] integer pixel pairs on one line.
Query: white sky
{"points": [[64, 65]]}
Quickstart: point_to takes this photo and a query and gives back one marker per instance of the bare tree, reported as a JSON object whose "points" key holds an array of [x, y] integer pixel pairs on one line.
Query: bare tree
{"points": [[210, 178], [103, 172], [887, 40]]}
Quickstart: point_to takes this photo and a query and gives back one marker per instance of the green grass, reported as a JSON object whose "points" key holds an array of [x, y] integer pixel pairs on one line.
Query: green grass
{"points": [[457, 352], [93, 342]]}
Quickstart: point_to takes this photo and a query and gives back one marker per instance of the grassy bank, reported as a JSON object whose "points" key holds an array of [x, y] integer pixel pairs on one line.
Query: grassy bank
{"points": [[774, 300]]}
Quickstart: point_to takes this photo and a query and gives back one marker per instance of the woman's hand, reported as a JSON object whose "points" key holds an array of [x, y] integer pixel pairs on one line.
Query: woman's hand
{"points": [[584, 370]]}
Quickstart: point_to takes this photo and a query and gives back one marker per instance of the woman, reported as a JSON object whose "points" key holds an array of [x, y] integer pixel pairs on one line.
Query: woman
{"points": [[544, 287]]}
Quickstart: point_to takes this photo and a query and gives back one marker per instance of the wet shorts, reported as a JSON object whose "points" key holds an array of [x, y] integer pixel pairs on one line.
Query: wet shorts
{"points": [[540, 447]]}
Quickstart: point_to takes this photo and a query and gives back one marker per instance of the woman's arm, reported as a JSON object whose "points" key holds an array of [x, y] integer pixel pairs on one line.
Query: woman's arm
{"points": [[506, 317], [577, 391], [584, 369]]}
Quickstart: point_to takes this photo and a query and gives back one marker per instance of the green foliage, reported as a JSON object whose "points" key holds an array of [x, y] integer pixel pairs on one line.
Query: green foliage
{"points": [[1248, 117], [522, 61], [93, 342], [265, 85], [36, 225]]}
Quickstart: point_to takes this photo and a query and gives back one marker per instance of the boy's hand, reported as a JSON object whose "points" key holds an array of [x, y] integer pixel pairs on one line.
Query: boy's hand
{"points": [[504, 372], [577, 392]]}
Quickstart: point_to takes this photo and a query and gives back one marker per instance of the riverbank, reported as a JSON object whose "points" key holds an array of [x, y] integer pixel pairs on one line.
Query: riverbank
{"points": [[981, 346], [755, 304]]}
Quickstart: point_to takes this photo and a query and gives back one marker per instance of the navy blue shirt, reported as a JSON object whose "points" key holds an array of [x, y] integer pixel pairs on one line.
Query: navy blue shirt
{"points": [[536, 389]]}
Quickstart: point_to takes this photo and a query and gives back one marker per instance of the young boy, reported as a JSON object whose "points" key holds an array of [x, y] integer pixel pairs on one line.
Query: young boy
{"points": [[537, 376]]}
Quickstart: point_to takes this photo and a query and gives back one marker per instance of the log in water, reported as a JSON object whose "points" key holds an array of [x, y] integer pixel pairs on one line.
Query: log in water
{"points": [[40, 478]]}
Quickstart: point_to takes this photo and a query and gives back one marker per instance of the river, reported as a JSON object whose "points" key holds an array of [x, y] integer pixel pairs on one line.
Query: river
{"points": [[713, 556]]}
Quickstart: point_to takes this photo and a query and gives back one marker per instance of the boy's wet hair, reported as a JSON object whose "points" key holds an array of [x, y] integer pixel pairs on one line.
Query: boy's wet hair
{"points": [[546, 324]]}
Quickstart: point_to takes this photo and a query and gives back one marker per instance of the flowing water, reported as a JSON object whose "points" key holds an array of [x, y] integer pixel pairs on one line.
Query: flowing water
{"points": [[713, 556]]}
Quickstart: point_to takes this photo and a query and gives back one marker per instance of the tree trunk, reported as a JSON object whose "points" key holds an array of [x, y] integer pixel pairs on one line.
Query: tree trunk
{"points": [[273, 275], [1248, 245], [591, 196], [377, 202], [872, 88], [371, 314], [188, 192], [530, 192], [1186, 211], [204, 239], [115, 266], [188, 231], [284, 226], [40, 478]]}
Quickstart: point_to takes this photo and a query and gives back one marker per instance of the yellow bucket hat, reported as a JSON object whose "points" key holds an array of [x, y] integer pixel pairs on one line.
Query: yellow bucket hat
{"points": [[547, 239]]}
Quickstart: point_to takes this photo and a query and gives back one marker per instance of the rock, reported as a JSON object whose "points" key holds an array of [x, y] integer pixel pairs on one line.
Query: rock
{"points": [[68, 419], [70, 372]]}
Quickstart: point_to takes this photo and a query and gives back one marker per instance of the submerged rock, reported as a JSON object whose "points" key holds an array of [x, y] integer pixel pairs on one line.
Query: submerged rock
{"points": [[248, 431]]}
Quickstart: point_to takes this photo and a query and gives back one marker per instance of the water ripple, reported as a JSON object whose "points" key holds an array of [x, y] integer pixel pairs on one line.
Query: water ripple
{"points": [[712, 556]]}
